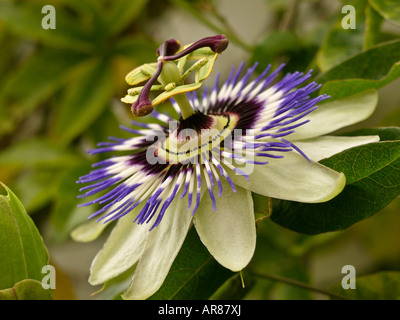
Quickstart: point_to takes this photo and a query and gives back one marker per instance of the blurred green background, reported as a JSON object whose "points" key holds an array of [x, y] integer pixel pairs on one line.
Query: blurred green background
{"points": [[60, 93]]}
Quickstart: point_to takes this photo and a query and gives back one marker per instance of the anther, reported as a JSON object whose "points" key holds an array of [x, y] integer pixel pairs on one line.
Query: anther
{"points": [[142, 108], [168, 48]]}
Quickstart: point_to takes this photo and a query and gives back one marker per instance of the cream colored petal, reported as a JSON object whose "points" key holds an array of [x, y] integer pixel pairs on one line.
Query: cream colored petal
{"points": [[88, 231], [121, 250], [162, 246], [337, 114], [229, 233], [293, 178]]}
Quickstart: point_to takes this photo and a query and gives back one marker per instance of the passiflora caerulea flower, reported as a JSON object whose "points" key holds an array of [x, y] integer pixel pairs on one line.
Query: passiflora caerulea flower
{"points": [[199, 168]]}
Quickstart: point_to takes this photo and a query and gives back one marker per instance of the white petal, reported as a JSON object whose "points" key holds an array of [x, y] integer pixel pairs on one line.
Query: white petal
{"points": [[121, 250], [324, 147], [229, 233], [88, 231], [162, 246], [337, 114], [293, 178]]}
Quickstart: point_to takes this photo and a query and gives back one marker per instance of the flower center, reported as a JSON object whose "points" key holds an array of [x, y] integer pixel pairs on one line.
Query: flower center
{"points": [[193, 138]]}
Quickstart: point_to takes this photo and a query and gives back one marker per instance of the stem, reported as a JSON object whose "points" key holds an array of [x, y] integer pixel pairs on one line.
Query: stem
{"points": [[184, 105], [298, 284], [241, 278], [289, 18], [170, 74]]}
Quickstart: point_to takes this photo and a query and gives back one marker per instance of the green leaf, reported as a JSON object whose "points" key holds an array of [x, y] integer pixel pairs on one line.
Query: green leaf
{"points": [[339, 89], [66, 214], [36, 187], [37, 152], [389, 9], [84, 101], [383, 285], [340, 43], [262, 205], [139, 49], [194, 274], [275, 45], [279, 252], [23, 253], [372, 64], [392, 118], [37, 79], [372, 182], [373, 22], [26, 290], [373, 68], [122, 13], [92, 11], [384, 133], [25, 19]]}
